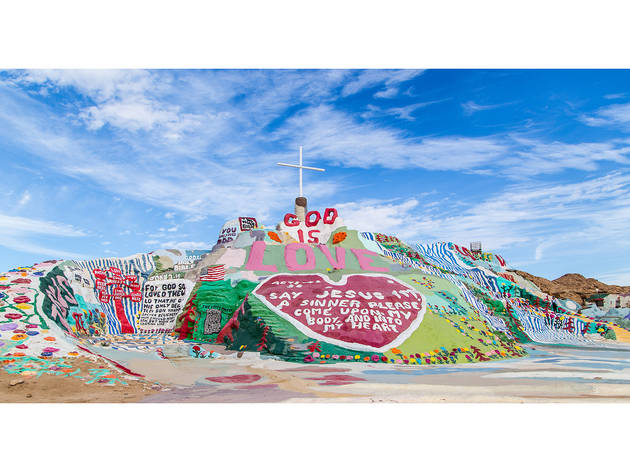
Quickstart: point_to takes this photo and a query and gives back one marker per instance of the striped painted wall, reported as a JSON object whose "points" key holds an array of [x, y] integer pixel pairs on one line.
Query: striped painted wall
{"points": [[141, 265]]}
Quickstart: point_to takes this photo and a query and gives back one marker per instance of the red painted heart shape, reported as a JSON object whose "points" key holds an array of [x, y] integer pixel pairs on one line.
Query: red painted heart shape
{"points": [[365, 312]]}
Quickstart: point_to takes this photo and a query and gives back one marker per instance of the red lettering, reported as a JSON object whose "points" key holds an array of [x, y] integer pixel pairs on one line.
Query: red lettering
{"points": [[308, 221], [330, 215], [312, 238], [300, 235], [291, 220]]}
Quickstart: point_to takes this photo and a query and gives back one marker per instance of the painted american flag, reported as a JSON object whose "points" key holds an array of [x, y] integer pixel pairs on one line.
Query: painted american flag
{"points": [[214, 273]]}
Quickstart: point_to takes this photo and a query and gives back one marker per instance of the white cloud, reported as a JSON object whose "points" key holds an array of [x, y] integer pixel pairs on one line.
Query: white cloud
{"points": [[403, 113], [389, 79], [471, 107], [16, 233], [618, 277], [21, 225], [25, 198], [614, 96], [337, 137], [569, 215], [169, 215], [124, 99], [617, 115], [19, 243]]}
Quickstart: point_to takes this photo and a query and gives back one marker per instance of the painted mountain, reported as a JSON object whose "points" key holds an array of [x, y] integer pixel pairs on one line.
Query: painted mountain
{"points": [[306, 290]]}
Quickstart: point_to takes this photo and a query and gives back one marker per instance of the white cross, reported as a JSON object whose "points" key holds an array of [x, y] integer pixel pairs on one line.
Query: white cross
{"points": [[300, 166]]}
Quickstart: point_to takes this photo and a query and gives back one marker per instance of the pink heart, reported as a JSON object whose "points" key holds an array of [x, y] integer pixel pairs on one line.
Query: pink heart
{"points": [[369, 312]]}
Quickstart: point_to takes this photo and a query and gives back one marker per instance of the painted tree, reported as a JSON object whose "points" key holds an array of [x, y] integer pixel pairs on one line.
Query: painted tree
{"points": [[187, 319]]}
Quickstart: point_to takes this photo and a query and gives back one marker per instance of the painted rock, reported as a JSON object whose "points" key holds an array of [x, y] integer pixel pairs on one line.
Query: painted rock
{"points": [[19, 337], [32, 333], [364, 312], [21, 299], [49, 338], [13, 316], [21, 281], [31, 325], [50, 349], [19, 331], [21, 346], [8, 326], [46, 354]]}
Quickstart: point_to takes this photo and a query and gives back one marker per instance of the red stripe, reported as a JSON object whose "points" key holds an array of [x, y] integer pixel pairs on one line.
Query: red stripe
{"points": [[121, 367]]}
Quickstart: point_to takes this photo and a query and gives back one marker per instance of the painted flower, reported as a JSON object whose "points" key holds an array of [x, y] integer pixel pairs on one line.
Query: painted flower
{"points": [[308, 358], [335, 356], [22, 299], [315, 355], [339, 237], [396, 351], [384, 358], [375, 358]]}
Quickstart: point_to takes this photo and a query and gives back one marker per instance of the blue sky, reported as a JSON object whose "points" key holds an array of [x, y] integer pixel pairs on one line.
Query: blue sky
{"points": [[535, 164]]}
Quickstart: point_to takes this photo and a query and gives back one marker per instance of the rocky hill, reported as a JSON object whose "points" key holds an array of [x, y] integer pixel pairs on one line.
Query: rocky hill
{"points": [[575, 287]]}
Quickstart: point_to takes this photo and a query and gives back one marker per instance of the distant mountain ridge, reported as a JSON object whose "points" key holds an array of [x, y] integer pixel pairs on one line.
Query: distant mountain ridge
{"points": [[575, 287]]}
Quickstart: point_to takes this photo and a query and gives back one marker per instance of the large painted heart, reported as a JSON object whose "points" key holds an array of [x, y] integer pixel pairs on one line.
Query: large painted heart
{"points": [[365, 312]]}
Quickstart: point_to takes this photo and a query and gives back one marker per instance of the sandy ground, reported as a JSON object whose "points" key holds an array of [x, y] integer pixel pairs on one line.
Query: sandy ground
{"points": [[549, 374], [53, 389]]}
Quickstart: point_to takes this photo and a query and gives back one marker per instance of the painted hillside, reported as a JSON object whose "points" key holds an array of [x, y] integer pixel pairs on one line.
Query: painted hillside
{"points": [[307, 290]]}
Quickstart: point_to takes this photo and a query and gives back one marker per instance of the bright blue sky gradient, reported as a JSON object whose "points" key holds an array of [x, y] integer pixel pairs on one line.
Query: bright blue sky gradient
{"points": [[535, 164]]}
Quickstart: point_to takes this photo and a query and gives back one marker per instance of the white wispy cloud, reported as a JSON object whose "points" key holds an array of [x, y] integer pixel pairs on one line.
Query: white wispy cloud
{"points": [[614, 96], [470, 107], [617, 277], [403, 113], [25, 198], [545, 216], [617, 115], [123, 99], [337, 137], [21, 225], [388, 80], [341, 139], [16, 232]]}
